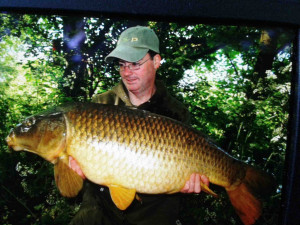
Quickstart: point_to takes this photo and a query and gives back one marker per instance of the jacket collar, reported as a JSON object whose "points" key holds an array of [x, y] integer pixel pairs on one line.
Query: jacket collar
{"points": [[121, 91]]}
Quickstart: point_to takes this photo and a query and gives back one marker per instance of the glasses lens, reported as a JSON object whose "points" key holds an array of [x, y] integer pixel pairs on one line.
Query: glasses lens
{"points": [[121, 67], [134, 66]]}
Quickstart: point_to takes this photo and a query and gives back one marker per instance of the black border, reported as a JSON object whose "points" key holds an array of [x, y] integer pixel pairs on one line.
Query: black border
{"points": [[247, 12], [228, 11]]}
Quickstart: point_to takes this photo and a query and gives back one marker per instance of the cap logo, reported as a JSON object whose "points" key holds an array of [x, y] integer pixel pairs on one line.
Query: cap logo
{"points": [[134, 39]]}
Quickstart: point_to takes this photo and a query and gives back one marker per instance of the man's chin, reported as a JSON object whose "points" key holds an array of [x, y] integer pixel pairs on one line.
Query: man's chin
{"points": [[132, 86]]}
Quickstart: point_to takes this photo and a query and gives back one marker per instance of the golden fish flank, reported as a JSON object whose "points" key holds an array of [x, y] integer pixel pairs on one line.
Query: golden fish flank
{"points": [[132, 164], [135, 151]]}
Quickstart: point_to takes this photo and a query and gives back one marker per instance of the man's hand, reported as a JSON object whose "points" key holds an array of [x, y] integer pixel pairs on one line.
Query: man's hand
{"points": [[74, 166], [194, 184]]}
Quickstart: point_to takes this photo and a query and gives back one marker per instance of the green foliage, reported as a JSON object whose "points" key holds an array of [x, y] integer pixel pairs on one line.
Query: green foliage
{"points": [[242, 108], [250, 127]]}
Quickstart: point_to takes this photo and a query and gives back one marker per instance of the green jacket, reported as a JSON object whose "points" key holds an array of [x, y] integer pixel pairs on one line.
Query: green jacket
{"points": [[161, 102], [97, 207]]}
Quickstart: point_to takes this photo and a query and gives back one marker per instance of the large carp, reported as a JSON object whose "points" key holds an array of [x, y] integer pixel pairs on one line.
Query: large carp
{"points": [[130, 151]]}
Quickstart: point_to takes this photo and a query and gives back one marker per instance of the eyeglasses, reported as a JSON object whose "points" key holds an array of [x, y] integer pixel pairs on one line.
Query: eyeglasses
{"points": [[132, 66]]}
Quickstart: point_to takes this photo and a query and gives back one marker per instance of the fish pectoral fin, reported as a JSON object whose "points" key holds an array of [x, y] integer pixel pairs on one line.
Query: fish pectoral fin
{"points": [[206, 189], [122, 197], [67, 181]]}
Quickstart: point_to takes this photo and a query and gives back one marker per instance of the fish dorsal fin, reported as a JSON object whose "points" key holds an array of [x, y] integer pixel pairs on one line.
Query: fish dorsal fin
{"points": [[122, 197], [67, 181]]}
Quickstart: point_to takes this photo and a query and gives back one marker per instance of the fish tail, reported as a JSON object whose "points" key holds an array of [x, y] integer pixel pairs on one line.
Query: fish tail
{"points": [[245, 196]]}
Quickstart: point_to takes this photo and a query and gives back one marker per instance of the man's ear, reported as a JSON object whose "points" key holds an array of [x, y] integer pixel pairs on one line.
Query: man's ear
{"points": [[156, 60]]}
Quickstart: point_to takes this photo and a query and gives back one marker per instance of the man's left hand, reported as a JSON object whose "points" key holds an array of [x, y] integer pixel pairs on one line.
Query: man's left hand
{"points": [[194, 184]]}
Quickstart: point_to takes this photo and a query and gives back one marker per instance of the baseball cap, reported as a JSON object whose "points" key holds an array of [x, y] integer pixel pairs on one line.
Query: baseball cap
{"points": [[133, 44]]}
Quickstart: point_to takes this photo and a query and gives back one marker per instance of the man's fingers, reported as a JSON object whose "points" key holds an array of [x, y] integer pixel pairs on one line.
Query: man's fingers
{"points": [[204, 180], [197, 187], [186, 187], [74, 166], [193, 185]]}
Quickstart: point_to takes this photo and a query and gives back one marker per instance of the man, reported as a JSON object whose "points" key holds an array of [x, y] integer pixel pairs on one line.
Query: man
{"points": [[137, 59]]}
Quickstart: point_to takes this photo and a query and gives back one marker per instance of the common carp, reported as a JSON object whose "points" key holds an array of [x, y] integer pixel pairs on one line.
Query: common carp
{"points": [[130, 151]]}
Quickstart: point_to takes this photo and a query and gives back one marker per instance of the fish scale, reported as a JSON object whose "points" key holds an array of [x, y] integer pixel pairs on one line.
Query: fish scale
{"points": [[131, 151], [109, 125]]}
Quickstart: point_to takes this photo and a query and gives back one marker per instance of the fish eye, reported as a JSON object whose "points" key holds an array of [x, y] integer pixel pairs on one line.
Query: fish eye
{"points": [[28, 123], [25, 128]]}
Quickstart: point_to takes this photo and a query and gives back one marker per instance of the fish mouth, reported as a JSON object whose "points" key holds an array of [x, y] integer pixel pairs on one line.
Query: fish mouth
{"points": [[15, 147], [10, 140]]}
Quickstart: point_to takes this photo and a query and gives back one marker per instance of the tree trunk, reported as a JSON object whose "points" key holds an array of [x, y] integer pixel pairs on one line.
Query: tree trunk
{"points": [[74, 37]]}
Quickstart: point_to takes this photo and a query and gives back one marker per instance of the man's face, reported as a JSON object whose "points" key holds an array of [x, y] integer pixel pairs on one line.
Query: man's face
{"points": [[136, 81]]}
